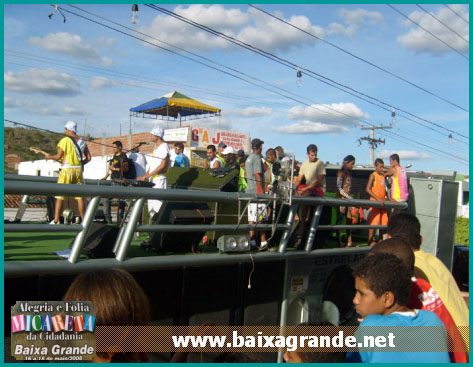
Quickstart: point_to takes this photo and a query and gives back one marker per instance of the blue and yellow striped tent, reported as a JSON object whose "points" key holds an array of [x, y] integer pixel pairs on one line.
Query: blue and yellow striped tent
{"points": [[175, 105]]}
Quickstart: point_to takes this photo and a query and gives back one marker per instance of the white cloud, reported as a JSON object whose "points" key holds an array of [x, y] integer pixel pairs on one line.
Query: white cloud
{"points": [[9, 103], [344, 114], [102, 82], [404, 154], [73, 111], [270, 34], [42, 81], [65, 111], [252, 27], [252, 111], [309, 127], [322, 118], [70, 44], [420, 41], [107, 42], [354, 19]]}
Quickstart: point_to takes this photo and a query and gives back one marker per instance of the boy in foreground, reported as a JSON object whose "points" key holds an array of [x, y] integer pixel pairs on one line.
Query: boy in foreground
{"points": [[381, 301], [423, 296]]}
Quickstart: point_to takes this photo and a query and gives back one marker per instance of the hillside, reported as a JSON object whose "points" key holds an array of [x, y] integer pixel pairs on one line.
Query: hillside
{"points": [[18, 140]]}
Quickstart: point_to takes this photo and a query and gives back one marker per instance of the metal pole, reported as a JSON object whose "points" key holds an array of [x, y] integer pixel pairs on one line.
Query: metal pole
{"points": [[22, 208], [284, 307], [130, 229], [313, 227], [287, 233], [372, 147], [79, 241]]}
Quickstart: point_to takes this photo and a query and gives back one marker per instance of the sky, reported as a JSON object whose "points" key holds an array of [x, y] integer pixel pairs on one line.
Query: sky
{"points": [[358, 62]]}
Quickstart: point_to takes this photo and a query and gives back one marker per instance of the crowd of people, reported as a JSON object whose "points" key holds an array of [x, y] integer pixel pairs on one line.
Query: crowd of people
{"points": [[256, 176], [398, 284]]}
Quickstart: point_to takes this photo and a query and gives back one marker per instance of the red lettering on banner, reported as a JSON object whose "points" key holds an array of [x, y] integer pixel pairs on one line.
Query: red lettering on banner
{"points": [[216, 141], [195, 135]]}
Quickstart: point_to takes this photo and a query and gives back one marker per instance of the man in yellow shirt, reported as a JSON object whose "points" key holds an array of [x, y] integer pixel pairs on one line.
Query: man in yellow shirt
{"points": [[406, 226], [69, 154]]}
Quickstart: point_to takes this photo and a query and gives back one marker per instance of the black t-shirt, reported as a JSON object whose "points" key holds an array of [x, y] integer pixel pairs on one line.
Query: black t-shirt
{"points": [[119, 161]]}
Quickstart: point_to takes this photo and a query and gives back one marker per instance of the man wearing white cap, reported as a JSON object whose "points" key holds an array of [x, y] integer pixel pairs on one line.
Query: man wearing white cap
{"points": [[71, 156], [157, 166]]}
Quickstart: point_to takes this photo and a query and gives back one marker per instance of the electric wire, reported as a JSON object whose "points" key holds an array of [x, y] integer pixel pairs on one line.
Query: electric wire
{"points": [[436, 150], [458, 15], [94, 21], [427, 31], [275, 91], [311, 73], [441, 22], [360, 58], [137, 77]]}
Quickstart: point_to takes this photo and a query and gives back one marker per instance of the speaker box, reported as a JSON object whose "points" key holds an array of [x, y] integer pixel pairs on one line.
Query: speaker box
{"points": [[434, 202], [180, 213], [100, 241]]}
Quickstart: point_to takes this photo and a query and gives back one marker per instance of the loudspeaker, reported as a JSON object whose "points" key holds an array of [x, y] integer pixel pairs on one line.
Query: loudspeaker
{"points": [[180, 213], [434, 202], [100, 241]]}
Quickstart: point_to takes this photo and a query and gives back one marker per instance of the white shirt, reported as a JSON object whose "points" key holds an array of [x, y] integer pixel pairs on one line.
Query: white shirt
{"points": [[159, 154], [212, 162], [139, 160]]}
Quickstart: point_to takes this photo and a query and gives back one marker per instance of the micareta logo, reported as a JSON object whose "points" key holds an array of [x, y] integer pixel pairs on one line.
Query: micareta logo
{"points": [[54, 322]]}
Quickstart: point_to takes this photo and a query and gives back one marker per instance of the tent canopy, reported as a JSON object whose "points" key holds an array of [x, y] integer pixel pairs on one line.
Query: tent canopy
{"points": [[175, 105]]}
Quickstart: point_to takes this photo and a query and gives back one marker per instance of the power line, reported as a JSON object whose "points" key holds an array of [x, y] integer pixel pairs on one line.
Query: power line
{"points": [[458, 15], [445, 25], [225, 72], [123, 74], [140, 86], [208, 60], [317, 76], [361, 59], [425, 30], [435, 150]]}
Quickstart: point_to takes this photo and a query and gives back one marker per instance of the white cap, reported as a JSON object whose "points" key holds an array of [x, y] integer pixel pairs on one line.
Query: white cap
{"points": [[228, 150], [157, 131], [71, 125]]}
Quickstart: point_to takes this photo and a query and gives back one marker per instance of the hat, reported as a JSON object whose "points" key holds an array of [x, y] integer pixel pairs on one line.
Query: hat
{"points": [[241, 152], [71, 125], [255, 143], [228, 150], [222, 144], [157, 131]]}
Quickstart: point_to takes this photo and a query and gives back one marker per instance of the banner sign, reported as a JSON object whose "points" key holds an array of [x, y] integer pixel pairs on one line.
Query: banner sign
{"points": [[177, 134], [201, 137], [53, 331]]}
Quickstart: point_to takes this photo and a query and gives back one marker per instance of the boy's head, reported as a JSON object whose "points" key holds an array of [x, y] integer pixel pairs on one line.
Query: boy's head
{"points": [[398, 248], [349, 162], [382, 283], [394, 159], [379, 165], [271, 155], [297, 356], [312, 151], [211, 151], [179, 148], [405, 226]]}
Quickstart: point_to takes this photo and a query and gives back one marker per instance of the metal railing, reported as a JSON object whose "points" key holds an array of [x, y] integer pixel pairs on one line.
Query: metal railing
{"points": [[97, 189]]}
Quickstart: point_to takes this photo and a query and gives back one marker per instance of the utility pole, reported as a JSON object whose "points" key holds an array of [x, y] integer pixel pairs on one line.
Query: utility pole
{"points": [[372, 141]]}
